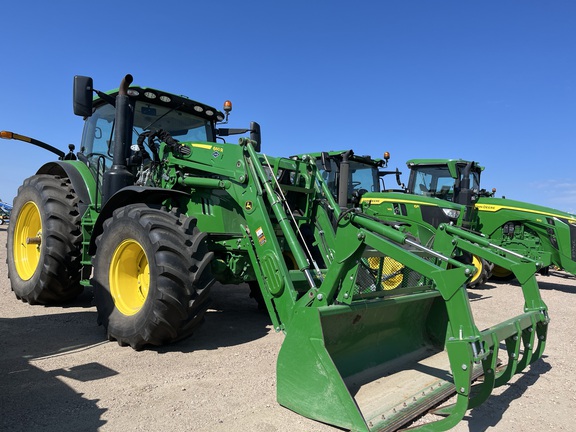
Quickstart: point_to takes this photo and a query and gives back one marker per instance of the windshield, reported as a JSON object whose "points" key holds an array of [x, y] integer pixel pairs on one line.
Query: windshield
{"points": [[98, 138], [436, 181], [433, 181], [362, 177]]}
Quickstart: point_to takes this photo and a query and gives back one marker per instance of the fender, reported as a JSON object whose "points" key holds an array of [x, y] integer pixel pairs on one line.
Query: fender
{"points": [[131, 195], [80, 176]]}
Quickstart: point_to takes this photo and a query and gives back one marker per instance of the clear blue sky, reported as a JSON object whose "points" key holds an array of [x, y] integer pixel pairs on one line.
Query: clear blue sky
{"points": [[492, 81]]}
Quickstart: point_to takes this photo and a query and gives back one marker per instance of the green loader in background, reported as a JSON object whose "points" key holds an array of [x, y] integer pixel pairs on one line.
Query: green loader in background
{"points": [[156, 206], [448, 191], [356, 180], [542, 233]]}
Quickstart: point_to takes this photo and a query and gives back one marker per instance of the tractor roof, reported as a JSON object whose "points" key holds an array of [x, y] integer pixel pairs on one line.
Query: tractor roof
{"points": [[451, 163], [169, 100], [354, 157]]}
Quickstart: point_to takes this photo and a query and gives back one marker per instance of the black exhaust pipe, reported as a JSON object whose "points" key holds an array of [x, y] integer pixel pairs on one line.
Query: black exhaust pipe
{"points": [[464, 195], [118, 176], [344, 186]]}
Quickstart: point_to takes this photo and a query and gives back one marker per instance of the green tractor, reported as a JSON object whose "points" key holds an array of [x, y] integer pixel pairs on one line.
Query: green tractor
{"points": [[542, 233], [359, 181], [156, 206]]}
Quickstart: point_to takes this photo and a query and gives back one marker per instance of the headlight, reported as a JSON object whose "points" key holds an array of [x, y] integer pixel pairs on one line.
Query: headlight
{"points": [[451, 213]]}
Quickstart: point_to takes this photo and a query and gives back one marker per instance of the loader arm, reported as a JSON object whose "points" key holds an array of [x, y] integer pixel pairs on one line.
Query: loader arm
{"points": [[345, 334]]}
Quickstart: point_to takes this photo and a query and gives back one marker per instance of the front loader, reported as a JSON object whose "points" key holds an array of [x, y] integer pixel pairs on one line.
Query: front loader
{"points": [[357, 180], [156, 206]]}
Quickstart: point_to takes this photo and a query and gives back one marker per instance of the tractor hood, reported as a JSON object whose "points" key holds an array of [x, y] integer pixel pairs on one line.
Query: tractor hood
{"points": [[486, 204]]}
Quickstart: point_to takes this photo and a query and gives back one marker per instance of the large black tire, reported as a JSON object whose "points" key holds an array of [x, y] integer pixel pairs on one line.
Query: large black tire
{"points": [[44, 241], [151, 276], [256, 294]]}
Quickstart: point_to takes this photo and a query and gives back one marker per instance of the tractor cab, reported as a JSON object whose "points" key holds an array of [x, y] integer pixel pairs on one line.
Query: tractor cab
{"points": [[149, 112], [180, 120], [349, 176], [447, 179], [124, 129]]}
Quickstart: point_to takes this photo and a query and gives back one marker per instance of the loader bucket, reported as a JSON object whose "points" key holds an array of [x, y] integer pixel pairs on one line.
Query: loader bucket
{"points": [[357, 366], [389, 355]]}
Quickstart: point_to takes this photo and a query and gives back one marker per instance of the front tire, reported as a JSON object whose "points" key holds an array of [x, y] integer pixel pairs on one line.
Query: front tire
{"points": [[151, 276], [44, 241]]}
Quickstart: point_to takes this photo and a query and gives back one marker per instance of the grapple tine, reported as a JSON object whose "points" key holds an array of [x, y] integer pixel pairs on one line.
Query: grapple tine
{"points": [[541, 333], [528, 338], [513, 349], [483, 390]]}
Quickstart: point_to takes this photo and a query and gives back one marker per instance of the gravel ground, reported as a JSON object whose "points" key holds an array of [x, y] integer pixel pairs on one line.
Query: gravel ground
{"points": [[58, 372]]}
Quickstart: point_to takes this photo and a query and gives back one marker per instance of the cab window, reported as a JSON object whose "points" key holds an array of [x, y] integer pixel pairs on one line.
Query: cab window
{"points": [[98, 135]]}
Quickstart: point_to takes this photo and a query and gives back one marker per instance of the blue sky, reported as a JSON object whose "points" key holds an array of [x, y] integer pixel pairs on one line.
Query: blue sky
{"points": [[491, 81]]}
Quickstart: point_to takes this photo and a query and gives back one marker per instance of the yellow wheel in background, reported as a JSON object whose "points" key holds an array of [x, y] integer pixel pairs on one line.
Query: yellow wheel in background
{"points": [[129, 277], [479, 265], [390, 271], [502, 274]]}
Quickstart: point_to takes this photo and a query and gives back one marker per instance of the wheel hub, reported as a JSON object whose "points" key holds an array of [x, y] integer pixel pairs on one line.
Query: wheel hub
{"points": [[27, 240], [129, 277]]}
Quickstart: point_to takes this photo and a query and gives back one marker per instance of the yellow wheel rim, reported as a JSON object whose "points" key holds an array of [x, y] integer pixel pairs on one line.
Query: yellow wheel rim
{"points": [[476, 262], [129, 277], [501, 272], [391, 271], [27, 240]]}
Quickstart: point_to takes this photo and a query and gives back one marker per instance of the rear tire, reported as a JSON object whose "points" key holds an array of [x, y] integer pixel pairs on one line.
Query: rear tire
{"points": [[44, 241], [151, 276]]}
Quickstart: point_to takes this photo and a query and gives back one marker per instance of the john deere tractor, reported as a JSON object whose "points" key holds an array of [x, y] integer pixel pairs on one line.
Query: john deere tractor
{"points": [[543, 233], [155, 206]]}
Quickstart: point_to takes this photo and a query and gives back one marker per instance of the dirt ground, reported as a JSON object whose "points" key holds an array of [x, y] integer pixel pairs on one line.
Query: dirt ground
{"points": [[58, 372]]}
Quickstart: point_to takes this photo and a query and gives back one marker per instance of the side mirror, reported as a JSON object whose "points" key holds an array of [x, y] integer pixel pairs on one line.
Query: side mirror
{"points": [[255, 135], [82, 95]]}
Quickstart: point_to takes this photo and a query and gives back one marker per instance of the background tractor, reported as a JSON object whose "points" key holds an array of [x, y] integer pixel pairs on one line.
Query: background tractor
{"points": [[4, 217], [448, 191], [5, 206], [543, 233], [156, 206]]}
